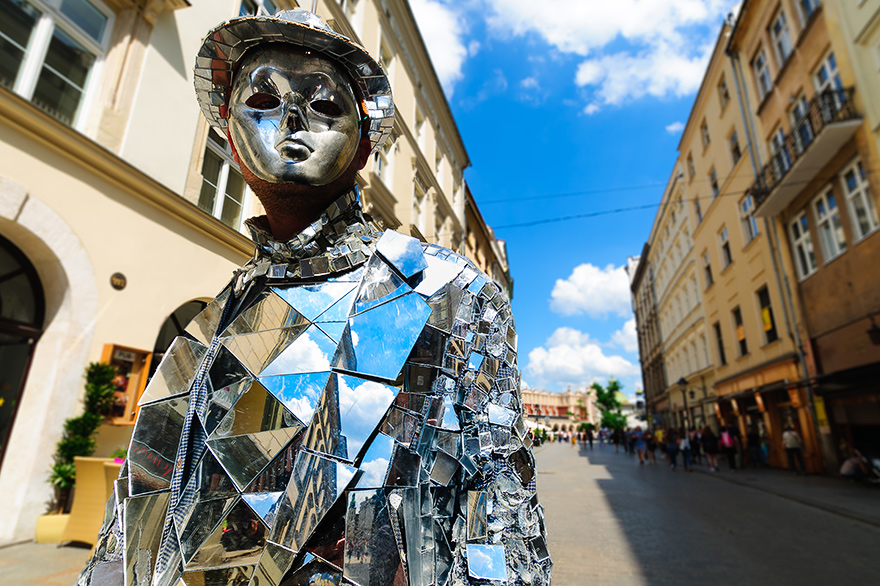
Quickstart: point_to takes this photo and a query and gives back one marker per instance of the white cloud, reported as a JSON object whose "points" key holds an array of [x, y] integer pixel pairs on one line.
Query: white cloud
{"points": [[473, 48], [661, 47], [443, 30], [675, 127], [529, 83], [571, 357], [662, 70], [594, 291], [626, 336], [591, 109]]}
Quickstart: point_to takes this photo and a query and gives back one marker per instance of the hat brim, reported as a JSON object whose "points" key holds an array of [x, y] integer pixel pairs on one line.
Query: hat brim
{"points": [[225, 45]]}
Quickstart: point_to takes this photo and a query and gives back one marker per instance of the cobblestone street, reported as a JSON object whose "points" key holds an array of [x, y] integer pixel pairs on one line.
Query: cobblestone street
{"points": [[613, 522]]}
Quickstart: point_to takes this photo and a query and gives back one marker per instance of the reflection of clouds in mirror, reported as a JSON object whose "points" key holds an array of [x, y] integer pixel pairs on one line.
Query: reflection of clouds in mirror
{"points": [[486, 562], [305, 355], [354, 339], [367, 401], [374, 472], [361, 406]]}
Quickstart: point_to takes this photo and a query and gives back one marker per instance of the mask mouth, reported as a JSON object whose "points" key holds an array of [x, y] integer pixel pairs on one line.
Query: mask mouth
{"points": [[294, 146]]}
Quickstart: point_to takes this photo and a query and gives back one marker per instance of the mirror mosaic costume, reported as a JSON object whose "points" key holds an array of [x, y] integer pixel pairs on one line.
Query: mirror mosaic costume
{"points": [[346, 411]]}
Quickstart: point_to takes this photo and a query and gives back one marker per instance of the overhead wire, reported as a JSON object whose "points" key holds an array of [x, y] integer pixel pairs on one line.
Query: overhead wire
{"points": [[637, 207]]}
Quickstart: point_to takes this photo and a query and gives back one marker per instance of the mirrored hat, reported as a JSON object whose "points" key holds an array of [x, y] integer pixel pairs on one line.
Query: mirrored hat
{"points": [[225, 45]]}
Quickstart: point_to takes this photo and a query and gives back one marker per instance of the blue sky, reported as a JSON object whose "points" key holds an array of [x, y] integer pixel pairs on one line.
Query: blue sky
{"points": [[573, 108]]}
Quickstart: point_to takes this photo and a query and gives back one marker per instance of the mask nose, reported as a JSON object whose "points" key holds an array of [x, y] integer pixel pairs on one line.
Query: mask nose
{"points": [[293, 116]]}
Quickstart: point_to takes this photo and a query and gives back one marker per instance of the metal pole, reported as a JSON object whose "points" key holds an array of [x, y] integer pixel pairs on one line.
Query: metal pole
{"points": [[314, 6]]}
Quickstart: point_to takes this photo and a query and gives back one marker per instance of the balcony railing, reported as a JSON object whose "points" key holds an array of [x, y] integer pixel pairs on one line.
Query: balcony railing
{"points": [[827, 109]]}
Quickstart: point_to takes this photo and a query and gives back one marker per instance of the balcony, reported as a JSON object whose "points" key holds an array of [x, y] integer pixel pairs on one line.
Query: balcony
{"points": [[830, 121]]}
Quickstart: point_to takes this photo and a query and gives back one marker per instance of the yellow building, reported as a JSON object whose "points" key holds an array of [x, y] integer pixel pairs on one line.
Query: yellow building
{"points": [[805, 65], [120, 212]]}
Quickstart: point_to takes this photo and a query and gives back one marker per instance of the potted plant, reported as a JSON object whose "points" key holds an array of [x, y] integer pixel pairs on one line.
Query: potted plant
{"points": [[78, 439]]}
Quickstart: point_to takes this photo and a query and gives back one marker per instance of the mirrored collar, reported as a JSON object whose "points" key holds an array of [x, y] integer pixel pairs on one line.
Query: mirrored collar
{"points": [[340, 239]]}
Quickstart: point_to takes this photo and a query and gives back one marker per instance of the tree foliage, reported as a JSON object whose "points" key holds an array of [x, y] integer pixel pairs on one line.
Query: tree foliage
{"points": [[78, 438], [609, 405]]}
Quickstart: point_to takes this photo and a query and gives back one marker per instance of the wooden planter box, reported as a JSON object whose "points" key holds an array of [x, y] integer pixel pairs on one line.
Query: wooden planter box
{"points": [[50, 528]]}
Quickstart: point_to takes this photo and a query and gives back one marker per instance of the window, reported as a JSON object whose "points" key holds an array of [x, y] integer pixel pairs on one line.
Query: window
{"points": [[831, 238], [747, 217], [223, 188], [420, 129], [697, 210], [801, 123], [386, 59], [257, 7], [380, 165], [704, 133], [724, 243], [779, 153], [827, 81], [707, 269], [767, 320], [762, 74], [802, 247], [420, 215], [781, 37], [735, 152], [719, 340], [807, 8], [858, 196], [691, 170], [740, 331], [723, 93], [47, 53], [713, 182]]}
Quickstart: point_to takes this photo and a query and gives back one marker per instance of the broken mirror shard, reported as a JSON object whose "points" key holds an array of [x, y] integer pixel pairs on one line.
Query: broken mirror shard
{"points": [[359, 427], [176, 371], [154, 444], [476, 515], [486, 562]]}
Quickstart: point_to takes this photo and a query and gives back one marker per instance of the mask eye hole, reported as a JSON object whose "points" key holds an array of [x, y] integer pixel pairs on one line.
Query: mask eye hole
{"points": [[326, 107], [263, 102]]}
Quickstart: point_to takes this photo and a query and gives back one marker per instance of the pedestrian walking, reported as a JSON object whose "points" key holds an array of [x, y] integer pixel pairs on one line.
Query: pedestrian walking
{"points": [[590, 435], [793, 445], [650, 447], [684, 446], [728, 444], [709, 443], [672, 448], [696, 448], [639, 444]]}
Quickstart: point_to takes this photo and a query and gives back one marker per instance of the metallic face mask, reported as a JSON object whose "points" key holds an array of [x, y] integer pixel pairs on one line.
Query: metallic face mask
{"points": [[293, 116]]}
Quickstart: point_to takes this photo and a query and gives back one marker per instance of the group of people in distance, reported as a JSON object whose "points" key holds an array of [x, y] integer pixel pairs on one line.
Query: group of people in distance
{"points": [[694, 443]]}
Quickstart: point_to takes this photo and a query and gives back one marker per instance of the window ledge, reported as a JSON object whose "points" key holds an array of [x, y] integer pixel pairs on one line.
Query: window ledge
{"points": [[727, 268], [778, 340], [873, 231], [750, 243], [834, 258], [743, 356]]}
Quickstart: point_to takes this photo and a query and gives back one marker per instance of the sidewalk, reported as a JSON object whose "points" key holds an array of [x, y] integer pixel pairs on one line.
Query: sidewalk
{"points": [[835, 495], [41, 563]]}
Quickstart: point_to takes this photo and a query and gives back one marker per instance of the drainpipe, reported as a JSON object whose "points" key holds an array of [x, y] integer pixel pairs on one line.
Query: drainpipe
{"points": [[782, 281]]}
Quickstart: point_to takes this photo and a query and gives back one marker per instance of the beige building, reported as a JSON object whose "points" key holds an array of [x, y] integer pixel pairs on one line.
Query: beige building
{"points": [[120, 212], [815, 126], [687, 369], [560, 411]]}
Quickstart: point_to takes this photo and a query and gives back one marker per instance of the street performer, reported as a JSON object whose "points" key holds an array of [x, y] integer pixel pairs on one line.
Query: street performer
{"points": [[347, 409]]}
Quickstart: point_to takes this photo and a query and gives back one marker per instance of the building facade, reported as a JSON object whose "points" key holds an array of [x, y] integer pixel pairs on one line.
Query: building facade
{"points": [[560, 411], [814, 126], [648, 333], [121, 212]]}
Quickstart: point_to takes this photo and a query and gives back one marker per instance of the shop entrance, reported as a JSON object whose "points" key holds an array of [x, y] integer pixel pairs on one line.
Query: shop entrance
{"points": [[22, 311]]}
